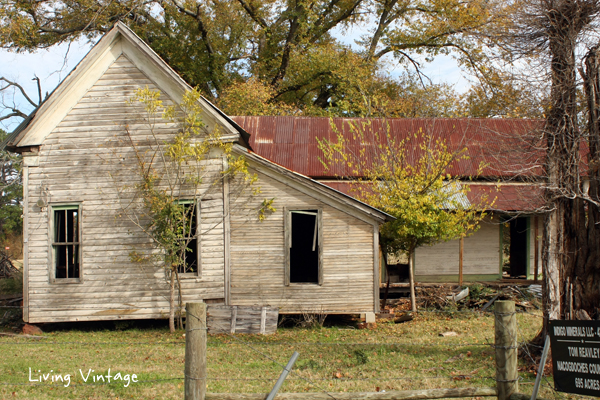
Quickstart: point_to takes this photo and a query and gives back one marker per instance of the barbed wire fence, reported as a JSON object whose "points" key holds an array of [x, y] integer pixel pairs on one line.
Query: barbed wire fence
{"points": [[316, 383]]}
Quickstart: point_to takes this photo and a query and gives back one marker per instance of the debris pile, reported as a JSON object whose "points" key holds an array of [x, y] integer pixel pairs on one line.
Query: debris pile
{"points": [[478, 297], [7, 269], [11, 296]]}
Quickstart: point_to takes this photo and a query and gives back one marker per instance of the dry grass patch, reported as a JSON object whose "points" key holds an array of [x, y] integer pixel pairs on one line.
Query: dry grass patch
{"points": [[335, 358]]}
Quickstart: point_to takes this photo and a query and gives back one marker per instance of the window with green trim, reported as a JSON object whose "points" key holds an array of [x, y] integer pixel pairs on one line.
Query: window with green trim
{"points": [[66, 243], [189, 223]]}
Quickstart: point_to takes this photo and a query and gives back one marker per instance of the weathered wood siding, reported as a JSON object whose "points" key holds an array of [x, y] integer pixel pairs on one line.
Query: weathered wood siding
{"points": [[258, 255], [481, 254], [79, 163]]}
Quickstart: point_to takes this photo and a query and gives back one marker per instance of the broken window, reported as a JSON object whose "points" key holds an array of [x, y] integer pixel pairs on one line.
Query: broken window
{"points": [[66, 243], [304, 247], [191, 253]]}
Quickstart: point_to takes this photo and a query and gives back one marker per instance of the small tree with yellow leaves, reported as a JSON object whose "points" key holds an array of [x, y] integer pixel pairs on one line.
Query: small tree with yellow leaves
{"points": [[172, 174], [407, 178]]}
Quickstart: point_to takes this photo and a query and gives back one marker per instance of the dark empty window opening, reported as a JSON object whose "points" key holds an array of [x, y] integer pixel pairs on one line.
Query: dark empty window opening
{"points": [[518, 247], [189, 223], [66, 243], [304, 246]]}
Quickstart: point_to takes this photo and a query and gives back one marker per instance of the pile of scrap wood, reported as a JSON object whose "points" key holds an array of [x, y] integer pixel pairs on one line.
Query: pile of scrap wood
{"points": [[10, 311], [475, 297], [7, 269]]}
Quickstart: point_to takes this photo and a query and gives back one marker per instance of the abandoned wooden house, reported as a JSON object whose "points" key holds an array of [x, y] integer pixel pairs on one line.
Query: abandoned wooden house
{"points": [[510, 179], [317, 252]]}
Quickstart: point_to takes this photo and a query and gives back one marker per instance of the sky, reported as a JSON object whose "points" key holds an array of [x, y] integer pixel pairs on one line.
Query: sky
{"points": [[52, 65]]}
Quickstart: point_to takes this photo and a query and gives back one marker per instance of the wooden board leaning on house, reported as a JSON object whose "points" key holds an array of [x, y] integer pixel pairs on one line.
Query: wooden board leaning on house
{"points": [[242, 319]]}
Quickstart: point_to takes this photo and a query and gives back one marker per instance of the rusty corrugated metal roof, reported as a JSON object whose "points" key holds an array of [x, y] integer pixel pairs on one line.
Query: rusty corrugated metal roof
{"points": [[502, 197], [506, 148]]}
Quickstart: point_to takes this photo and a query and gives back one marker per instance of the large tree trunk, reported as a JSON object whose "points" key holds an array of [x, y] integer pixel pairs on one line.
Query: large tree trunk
{"points": [[562, 161], [570, 259], [551, 265], [586, 271]]}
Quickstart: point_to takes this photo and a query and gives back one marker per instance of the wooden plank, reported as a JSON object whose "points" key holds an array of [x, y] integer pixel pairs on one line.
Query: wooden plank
{"points": [[26, 234], [233, 318], [263, 320], [388, 395]]}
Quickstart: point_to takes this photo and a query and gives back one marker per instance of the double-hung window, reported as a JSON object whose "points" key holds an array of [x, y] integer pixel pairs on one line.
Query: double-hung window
{"points": [[65, 228], [190, 265]]}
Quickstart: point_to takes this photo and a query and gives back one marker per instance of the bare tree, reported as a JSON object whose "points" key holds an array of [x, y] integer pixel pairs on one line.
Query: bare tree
{"points": [[10, 108]]}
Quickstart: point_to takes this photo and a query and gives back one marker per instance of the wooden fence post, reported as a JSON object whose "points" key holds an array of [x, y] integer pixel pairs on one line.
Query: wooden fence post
{"points": [[195, 351], [506, 349]]}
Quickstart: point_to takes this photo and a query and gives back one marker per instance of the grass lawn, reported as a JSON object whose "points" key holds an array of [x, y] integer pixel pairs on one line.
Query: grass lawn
{"points": [[337, 358]]}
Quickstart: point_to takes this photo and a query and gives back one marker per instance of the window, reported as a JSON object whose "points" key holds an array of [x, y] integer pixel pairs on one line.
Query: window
{"points": [[304, 247], [189, 223], [66, 243]]}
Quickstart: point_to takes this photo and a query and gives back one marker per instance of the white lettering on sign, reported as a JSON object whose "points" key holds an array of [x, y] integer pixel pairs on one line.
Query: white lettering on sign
{"points": [[573, 352], [570, 366], [560, 331], [593, 384], [594, 368], [588, 352], [576, 331]]}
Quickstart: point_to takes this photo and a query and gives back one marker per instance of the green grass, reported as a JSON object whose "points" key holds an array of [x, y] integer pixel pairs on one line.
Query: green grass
{"points": [[339, 358], [13, 285]]}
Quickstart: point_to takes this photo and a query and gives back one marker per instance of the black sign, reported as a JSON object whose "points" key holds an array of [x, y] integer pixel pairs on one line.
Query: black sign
{"points": [[576, 356]]}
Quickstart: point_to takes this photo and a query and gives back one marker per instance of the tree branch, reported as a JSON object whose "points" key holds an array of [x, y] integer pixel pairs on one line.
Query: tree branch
{"points": [[252, 12], [16, 85], [318, 31], [15, 113]]}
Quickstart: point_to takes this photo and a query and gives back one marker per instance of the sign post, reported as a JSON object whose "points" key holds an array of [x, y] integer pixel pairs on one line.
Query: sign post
{"points": [[576, 356]]}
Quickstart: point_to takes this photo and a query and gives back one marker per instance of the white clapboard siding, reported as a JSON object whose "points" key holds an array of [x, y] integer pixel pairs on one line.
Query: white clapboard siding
{"points": [[481, 254], [258, 256], [87, 159]]}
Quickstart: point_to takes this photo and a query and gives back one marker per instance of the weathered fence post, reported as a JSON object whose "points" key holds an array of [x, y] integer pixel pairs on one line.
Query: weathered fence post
{"points": [[506, 349], [195, 351]]}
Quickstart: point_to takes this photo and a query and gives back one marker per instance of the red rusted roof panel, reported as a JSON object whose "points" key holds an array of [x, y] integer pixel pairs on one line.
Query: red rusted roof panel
{"points": [[507, 197], [283, 129], [502, 148]]}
